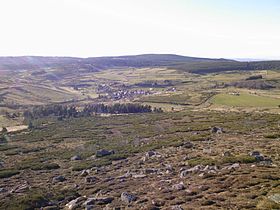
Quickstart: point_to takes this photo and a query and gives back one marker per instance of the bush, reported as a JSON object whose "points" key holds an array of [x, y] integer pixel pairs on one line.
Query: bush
{"points": [[8, 173], [239, 159]]}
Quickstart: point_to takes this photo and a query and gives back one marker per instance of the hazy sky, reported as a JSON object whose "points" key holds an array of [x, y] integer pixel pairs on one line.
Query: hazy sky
{"points": [[205, 28]]}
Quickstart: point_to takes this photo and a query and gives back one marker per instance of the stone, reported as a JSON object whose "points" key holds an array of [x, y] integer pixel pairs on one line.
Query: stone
{"points": [[2, 190], [226, 154], [275, 198], [90, 179], [139, 176], [217, 130], [179, 186], [103, 200], [254, 153], [98, 201], [232, 167], [266, 162], [59, 179], [75, 203], [104, 152], [151, 153], [76, 157], [187, 145], [177, 207], [150, 171], [89, 207], [127, 197], [257, 155], [210, 168], [89, 202], [21, 188], [84, 173]]}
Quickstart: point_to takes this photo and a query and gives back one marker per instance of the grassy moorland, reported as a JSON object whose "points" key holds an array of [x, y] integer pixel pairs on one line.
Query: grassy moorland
{"points": [[35, 157], [245, 100], [215, 146]]}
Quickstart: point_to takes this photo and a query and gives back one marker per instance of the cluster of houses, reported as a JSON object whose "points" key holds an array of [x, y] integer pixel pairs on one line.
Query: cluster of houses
{"points": [[127, 94], [234, 93]]}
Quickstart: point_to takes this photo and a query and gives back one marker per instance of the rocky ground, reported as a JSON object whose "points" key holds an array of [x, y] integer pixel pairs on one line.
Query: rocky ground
{"points": [[234, 165]]}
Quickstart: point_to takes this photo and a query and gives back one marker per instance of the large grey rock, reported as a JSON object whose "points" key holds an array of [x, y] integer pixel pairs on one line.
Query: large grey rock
{"points": [[104, 152], [150, 170], [227, 154], [103, 200], [257, 155], [275, 198], [217, 130], [59, 179], [127, 197], [91, 179], [194, 169], [85, 172], [151, 154], [75, 203], [3, 190], [177, 207], [234, 166], [76, 157], [187, 145], [179, 186]]}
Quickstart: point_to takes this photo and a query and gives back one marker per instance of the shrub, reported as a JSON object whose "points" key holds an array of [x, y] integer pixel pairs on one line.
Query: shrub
{"points": [[8, 173]]}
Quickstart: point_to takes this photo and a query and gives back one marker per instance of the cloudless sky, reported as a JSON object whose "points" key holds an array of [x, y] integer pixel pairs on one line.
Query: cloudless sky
{"points": [[86, 28]]}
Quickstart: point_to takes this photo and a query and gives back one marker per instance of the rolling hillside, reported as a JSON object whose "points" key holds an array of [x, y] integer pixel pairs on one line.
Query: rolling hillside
{"points": [[183, 63]]}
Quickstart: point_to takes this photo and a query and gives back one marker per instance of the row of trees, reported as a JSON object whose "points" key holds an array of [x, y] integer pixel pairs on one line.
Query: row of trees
{"points": [[63, 111]]}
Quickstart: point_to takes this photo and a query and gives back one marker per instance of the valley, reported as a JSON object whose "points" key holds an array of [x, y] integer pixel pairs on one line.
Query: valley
{"points": [[176, 133]]}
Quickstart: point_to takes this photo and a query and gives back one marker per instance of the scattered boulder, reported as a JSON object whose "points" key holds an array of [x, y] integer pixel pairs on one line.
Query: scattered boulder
{"points": [[91, 179], [275, 198], [199, 168], [76, 157], [98, 201], [84, 173], [127, 197], [257, 155], [75, 203], [227, 154], [169, 169], [158, 203], [139, 176], [59, 179], [187, 145], [177, 207], [266, 162], [150, 171], [2, 190], [179, 186], [21, 188], [217, 130], [89, 207], [104, 152], [194, 169], [232, 167], [89, 202], [151, 154], [210, 168], [103, 200]]}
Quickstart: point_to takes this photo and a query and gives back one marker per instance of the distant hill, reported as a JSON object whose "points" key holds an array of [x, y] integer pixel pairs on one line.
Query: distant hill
{"points": [[183, 63]]}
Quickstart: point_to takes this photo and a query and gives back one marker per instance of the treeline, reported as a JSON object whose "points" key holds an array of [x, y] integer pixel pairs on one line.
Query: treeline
{"points": [[63, 111], [225, 65]]}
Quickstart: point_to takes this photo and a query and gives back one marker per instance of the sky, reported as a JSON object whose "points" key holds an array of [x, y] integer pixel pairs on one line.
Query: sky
{"points": [[90, 28]]}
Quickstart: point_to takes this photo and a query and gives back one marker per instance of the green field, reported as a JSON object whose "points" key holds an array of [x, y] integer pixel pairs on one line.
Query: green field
{"points": [[245, 100]]}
